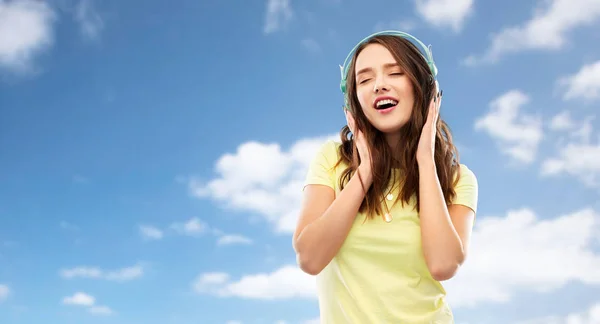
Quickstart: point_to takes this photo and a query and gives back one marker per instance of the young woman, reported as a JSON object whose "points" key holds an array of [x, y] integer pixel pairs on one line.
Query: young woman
{"points": [[388, 212]]}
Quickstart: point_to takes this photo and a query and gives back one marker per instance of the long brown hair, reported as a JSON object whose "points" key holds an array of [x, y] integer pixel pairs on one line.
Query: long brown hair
{"points": [[403, 156]]}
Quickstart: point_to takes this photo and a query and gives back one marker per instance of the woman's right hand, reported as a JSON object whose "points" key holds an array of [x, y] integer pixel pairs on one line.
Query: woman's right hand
{"points": [[361, 145]]}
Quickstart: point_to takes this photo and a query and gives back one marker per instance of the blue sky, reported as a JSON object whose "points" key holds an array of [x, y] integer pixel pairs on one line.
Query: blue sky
{"points": [[152, 154]]}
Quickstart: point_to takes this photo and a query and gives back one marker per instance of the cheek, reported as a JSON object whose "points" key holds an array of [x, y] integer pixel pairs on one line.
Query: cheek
{"points": [[363, 98]]}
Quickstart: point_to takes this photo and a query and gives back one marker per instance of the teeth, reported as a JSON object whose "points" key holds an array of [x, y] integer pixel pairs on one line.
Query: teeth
{"points": [[386, 101]]}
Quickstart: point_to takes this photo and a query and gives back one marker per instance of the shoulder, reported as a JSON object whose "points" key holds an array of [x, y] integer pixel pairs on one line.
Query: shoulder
{"points": [[327, 153], [322, 168], [466, 187], [330, 149], [466, 175]]}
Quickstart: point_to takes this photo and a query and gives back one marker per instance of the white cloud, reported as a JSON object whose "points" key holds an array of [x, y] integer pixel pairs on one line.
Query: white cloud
{"points": [[210, 282], [584, 85], [311, 45], [578, 157], [90, 22], [124, 274], [4, 292], [445, 13], [26, 29], [68, 226], [233, 239], [89, 301], [548, 29], [264, 179], [150, 232], [193, 227], [542, 255], [101, 310], [590, 316], [79, 299], [517, 134], [284, 283], [562, 121], [279, 13]]}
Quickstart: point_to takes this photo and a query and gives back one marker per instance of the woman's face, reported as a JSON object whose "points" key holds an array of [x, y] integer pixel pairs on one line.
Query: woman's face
{"points": [[383, 89]]}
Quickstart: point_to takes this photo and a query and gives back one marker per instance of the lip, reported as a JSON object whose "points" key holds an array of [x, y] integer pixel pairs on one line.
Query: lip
{"points": [[386, 111], [383, 98]]}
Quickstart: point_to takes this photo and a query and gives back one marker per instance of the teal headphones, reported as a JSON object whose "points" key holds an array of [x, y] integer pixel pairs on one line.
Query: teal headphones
{"points": [[424, 50]]}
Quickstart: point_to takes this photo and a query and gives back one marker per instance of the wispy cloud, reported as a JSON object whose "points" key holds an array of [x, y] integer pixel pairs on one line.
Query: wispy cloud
{"points": [[445, 13], [548, 29], [123, 274], [311, 45], [82, 299], [233, 239], [577, 156], [283, 283], [26, 30], [561, 121], [192, 227], [517, 133], [4, 292], [150, 232], [90, 22], [279, 13], [68, 226], [101, 310], [583, 85], [79, 299]]}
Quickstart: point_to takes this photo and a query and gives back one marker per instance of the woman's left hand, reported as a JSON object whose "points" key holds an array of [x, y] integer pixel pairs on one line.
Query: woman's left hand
{"points": [[426, 147]]}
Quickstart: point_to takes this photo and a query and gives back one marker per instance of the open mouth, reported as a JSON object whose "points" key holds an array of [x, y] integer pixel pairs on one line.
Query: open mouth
{"points": [[385, 104]]}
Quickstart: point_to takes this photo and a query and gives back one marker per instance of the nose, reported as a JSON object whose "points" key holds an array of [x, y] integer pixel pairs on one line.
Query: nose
{"points": [[380, 84]]}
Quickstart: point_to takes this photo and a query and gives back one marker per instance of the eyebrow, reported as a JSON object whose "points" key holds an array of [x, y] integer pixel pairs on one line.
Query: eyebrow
{"points": [[387, 66]]}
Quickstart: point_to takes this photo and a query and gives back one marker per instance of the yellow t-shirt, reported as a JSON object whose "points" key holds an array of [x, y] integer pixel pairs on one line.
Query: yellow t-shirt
{"points": [[379, 275]]}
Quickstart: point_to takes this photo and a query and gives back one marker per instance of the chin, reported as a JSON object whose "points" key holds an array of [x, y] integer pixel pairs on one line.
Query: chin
{"points": [[391, 122], [389, 126]]}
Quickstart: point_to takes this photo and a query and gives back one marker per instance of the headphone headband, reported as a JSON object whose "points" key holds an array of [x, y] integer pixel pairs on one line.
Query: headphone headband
{"points": [[424, 50]]}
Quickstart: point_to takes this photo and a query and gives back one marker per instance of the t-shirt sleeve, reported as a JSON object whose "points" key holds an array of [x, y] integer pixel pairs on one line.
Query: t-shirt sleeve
{"points": [[321, 169], [467, 189]]}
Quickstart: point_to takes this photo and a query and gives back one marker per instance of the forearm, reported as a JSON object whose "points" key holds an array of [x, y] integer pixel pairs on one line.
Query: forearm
{"points": [[442, 247], [320, 240]]}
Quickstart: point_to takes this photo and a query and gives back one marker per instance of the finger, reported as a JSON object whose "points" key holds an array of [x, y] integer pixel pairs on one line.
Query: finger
{"points": [[431, 110], [439, 105], [348, 120], [351, 123], [346, 115]]}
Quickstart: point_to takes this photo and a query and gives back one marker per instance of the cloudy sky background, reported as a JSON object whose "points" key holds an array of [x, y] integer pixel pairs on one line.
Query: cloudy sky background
{"points": [[152, 154]]}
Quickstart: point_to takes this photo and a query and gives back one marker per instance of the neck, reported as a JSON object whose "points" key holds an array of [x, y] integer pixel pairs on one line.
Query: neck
{"points": [[392, 141]]}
